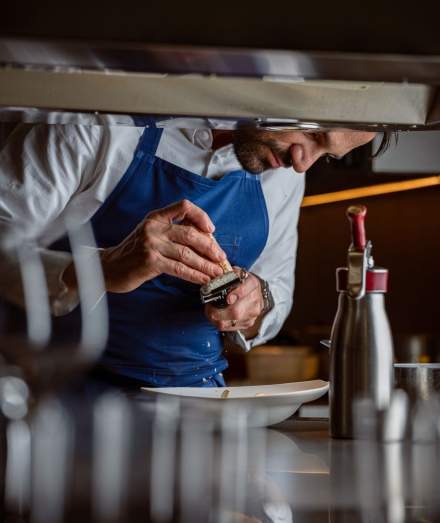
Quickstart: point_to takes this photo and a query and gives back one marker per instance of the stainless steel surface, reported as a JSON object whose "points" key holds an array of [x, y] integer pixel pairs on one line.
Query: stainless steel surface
{"points": [[178, 469], [103, 82], [390, 424], [221, 61], [361, 359], [420, 380], [326, 343], [11, 115], [424, 422], [361, 348], [51, 459], [112, 424], [373, 105], [396, 417], [14, 406], [357, 267]]}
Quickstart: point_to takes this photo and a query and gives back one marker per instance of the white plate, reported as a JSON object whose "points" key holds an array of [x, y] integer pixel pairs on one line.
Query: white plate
{"points": [[263, 404]]}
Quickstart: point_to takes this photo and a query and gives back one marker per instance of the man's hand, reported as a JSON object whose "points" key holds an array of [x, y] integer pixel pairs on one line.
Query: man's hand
{"points": [[159, 245], [244, 310]]}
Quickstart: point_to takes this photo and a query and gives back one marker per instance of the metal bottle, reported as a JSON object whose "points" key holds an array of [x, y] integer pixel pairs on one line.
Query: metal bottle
{"points": [[361, 351]]}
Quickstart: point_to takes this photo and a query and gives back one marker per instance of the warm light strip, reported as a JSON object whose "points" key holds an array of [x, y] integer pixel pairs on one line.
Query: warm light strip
{"points": [[372, 190]]}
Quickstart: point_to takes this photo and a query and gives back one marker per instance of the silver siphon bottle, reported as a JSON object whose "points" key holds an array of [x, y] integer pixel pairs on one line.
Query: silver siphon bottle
{"points": [[361, 350]]}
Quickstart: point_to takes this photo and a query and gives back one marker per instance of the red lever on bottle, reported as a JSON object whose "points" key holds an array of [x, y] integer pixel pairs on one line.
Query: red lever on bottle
{"points": [[356, 215]]}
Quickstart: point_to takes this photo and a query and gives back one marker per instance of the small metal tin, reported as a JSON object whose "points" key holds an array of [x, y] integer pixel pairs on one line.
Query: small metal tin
{"points": [[217, 290]]}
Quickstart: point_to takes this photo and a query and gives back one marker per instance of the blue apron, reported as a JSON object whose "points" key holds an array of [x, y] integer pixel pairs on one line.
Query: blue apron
{"points": [[159, 334]]}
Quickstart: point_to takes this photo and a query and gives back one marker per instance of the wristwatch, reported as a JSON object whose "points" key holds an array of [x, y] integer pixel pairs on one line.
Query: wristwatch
{"points": [[268, 302]]}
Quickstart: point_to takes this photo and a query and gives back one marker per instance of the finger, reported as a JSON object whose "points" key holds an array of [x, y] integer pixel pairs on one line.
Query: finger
{"points": [[188, 211], [215, 314], [224, 263], [210, 314], [224, 321], [201, 242], [185, 255], [182, 271], [226, 326], [233, 325], [241, 311], [248, 288], [219, 317], [244, 309], [247, 324]]}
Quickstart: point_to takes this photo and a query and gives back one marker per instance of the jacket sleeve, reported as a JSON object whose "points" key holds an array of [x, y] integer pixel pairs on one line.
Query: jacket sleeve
{"points": [[283, 191], [41, 168]]}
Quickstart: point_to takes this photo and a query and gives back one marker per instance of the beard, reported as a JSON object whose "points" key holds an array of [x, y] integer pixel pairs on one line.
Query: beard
{"points": [[252, 148]]}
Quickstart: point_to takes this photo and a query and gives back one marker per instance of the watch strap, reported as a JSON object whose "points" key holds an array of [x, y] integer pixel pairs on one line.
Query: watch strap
{"points": [[268, 301]]}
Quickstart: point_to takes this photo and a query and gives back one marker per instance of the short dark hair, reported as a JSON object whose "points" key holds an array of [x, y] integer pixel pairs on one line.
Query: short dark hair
{"points": [[384, 145]]}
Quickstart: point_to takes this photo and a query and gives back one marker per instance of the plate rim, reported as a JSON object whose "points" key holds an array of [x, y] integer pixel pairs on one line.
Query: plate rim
{"points": [[322, 387]]}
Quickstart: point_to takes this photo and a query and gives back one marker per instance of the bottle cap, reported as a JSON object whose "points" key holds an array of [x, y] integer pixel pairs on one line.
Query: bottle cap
{"points": [[376, 279]]}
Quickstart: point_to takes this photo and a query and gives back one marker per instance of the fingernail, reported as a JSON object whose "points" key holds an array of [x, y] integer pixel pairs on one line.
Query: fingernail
{"points": [[221, 255], [232, 298], [211, 228]]}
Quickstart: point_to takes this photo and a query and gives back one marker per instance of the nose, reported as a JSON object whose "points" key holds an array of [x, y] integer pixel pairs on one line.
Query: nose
{"points": [[304, 155]]}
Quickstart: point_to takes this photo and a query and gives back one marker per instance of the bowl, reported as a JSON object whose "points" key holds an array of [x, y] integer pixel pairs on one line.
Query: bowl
{"points": [[263, 405]]}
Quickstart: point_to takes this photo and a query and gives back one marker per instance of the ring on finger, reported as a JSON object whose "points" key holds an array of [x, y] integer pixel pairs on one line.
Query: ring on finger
{"points": [[244, 274], [234, 323]]}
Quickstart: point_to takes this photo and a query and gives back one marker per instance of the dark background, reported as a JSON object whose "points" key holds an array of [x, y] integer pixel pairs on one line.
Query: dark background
{"points": [[372, 26], [404, 228]]}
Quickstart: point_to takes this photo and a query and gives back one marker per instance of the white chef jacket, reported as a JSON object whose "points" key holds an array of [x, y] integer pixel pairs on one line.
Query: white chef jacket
{"points": [[51, 172]]}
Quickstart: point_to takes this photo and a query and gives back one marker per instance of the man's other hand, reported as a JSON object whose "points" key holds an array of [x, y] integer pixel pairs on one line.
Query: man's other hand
{"points": [[161, 244], [244, 310]]}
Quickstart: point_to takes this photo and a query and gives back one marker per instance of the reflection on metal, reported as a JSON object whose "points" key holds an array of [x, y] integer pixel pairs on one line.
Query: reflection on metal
{"points": [[372, 190], [93, 457], [237, 62], [109, 84], [273, 104], [163, 459], [91, 291], [11, 115], [111, 451], [36, 296], [51, 442]]}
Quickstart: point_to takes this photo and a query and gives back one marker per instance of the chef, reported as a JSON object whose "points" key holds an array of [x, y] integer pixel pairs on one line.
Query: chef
{"points": [[168, 205]]}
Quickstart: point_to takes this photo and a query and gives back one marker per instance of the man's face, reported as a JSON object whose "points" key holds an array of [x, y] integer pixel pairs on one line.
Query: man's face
{"points": [[258, 150]]}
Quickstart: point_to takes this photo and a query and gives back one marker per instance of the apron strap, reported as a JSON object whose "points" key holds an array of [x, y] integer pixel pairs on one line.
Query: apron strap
{"points": [[150, 137]]}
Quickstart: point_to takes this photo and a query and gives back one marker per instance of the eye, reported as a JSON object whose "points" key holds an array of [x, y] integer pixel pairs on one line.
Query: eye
{"points": [[328, 157], [316, 137], [321, 138]]}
